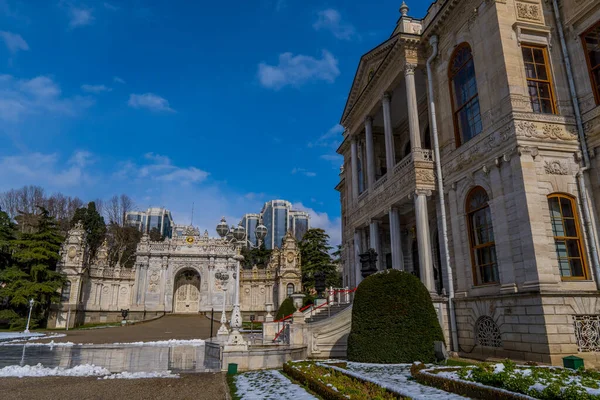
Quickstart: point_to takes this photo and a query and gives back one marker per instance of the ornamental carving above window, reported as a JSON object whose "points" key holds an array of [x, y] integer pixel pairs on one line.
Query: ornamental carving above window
{"points": [[587, 332], [487, 332]]}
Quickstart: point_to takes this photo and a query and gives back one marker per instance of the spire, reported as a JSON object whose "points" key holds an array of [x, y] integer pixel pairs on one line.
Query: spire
{"points": [[404, 9]]}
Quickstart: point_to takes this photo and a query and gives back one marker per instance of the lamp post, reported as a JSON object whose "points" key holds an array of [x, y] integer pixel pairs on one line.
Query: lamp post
{"points": [[29, 317], [239, 233], [261, 233], [224, 278]]}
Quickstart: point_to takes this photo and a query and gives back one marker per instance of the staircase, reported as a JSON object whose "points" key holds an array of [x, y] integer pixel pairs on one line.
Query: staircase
{"points": [[325, 312]]}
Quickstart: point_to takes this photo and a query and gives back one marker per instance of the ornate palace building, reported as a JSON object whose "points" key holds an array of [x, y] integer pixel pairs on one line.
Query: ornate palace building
{"points": [[469, 160], [183, 275]]}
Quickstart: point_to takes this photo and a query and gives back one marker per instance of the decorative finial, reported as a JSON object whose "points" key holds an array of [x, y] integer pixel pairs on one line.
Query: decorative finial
{"points": [[404, 9]]}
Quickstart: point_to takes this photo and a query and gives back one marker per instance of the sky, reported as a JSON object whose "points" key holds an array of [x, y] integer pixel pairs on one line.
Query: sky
{"points": [[215, 106]]}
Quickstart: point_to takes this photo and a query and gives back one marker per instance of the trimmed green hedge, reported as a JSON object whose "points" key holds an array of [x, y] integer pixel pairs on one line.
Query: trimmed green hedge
{"points": [[463, 388], [286, 308], [393, 320]]}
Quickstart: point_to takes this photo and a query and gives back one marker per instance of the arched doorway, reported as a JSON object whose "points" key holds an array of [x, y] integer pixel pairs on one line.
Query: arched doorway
{"points": [[186, 298]]}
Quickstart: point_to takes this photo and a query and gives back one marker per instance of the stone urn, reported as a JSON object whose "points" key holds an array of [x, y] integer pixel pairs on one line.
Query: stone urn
{"points": [[297, 298]]}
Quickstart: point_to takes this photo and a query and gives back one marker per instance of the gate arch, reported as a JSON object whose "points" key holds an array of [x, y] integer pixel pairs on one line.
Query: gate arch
{"points": [[186, 293]]}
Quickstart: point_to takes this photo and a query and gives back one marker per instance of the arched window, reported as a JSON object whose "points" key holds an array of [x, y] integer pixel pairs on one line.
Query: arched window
{"points": [[487, 332], [465, 98], [290, 289], [481, 238], [65, 295], [567, 236]]}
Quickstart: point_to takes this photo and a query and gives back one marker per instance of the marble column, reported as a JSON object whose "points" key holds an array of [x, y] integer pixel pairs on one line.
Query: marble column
{"points": [[424, 240], [390, 158], [357, 250], [375, 242], [396, 240], [354, 172], [411, 105], [370, 152]]}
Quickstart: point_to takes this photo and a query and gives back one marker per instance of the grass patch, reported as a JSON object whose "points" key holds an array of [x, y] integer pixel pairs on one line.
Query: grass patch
{"points": [[546, 383], [232, 388], [335, 385]]}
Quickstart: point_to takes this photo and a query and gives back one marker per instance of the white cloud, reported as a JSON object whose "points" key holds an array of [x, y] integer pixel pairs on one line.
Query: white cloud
{"points": [[118, 80], [20, 97], [110, 7], [303, 171], [95, 88], [298, 70], [79, 16], [44, 170], [331, 138], [149, 101], [331, 20], [333, 227], [336, 160], [161, 168], [14, 42]]}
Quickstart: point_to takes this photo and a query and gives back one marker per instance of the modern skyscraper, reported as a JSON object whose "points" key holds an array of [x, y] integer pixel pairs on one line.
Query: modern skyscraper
{"points": [[250, 222], [279, 218], [154, 217]]}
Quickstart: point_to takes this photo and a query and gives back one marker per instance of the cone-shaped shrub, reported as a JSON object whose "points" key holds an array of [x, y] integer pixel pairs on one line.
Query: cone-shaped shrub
{"points": [[393, 320], [286, 308]]}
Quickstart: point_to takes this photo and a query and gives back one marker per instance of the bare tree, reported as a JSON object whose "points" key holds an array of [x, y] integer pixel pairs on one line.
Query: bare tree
{"points": [[99, 206], [117, 208]]}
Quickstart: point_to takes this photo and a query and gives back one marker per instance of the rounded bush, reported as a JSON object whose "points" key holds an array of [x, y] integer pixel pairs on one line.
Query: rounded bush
{"points": [[393, 320], [286, 308]]}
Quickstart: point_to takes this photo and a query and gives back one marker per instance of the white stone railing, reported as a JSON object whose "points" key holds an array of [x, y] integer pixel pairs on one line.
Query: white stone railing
{"points": [[422, 155], [403, 164]]}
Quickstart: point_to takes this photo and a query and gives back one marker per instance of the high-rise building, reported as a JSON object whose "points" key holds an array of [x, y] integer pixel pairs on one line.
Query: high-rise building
{"points": [[154, 217], [250, 222], [279, 218], [299, 221]]}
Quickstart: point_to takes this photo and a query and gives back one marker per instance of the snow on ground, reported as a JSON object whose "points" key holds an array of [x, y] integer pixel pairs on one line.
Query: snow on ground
{"points": [[39, 370], [83, 370], [396, 377], [18, 335], [141, 375], [20, 339], [268, 385], [160, 343]]}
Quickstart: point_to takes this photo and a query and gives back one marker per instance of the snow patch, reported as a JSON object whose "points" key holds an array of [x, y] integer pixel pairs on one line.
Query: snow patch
{"points": [[141, 375], [269, 385], [39, 370]]}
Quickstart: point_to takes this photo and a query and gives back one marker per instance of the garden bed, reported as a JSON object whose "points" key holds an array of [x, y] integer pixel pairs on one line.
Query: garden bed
{"points": [[331, 384], [266, 385], [507, 380]]}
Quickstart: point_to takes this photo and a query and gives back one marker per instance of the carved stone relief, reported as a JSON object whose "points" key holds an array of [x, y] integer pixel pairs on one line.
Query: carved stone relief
{"points": [[556, 167]]}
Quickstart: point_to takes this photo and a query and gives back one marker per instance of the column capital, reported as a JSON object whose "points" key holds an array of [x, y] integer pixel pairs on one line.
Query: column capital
{"points": [[409, 68], [374, 220], [420, 192], [387, 96], [368, 120]]}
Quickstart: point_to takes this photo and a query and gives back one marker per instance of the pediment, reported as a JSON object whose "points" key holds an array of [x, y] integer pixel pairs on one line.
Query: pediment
{"points": [[367, 69]]}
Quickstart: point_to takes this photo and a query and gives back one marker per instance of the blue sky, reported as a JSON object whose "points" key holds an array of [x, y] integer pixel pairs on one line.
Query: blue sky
{"points": [[220, 104]]}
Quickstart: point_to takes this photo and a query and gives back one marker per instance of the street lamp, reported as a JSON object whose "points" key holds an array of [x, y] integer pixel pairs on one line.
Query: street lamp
{"points": [[224, 278], [261, 233], [29, 317], [222, 228]]}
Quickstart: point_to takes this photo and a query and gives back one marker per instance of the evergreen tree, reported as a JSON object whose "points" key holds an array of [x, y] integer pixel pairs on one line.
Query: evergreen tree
{"points": [[94, 226], [155, 235], [258, 256], [32, 274], [314, 250], [7, 235]]}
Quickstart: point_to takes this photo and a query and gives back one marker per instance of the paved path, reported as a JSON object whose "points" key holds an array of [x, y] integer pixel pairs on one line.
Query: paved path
{"points": [[168, 327], [192, 386]]}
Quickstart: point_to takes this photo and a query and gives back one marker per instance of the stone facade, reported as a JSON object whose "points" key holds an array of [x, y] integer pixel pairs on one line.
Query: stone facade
{"points": [[519, 303], [178, 275]]}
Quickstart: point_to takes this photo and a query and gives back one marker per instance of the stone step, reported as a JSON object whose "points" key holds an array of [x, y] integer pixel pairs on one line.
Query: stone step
{"points": [[323, 313]]}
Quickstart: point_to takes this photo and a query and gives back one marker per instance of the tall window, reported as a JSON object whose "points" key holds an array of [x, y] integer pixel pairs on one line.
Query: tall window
{"points": [[539, 83], [591, 44], [481, 237], [65, 295], [567, 237], [290, 289], [465, 98]]}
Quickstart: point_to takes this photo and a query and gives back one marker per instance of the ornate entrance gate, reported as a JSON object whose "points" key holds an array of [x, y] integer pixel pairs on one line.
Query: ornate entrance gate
{"points": [[187, 293]]}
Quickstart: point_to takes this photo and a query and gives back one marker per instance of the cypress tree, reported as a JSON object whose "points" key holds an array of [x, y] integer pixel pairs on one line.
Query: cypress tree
{"points": [[314, 251]]}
